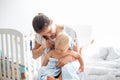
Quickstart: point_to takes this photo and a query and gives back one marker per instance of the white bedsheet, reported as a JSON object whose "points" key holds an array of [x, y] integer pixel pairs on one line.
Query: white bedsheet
{"points": [[99, 67]]}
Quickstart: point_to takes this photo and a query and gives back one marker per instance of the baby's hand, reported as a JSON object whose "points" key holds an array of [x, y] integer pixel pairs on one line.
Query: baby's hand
{"points": [[81, 68]]}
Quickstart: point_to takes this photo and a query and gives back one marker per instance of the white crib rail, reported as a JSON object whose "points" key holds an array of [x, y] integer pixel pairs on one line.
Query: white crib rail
{"points": [[12, 49], [15, 54]]}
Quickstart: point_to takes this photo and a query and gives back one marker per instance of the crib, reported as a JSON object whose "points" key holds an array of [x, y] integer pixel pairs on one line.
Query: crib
{"points": [[16, 61]]}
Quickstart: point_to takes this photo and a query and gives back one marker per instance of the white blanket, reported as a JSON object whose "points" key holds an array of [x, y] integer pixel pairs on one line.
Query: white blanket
{"points": [[101, 63]]}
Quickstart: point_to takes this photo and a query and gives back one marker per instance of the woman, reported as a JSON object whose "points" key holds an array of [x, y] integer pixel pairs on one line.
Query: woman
{"points": [[46, 33]]}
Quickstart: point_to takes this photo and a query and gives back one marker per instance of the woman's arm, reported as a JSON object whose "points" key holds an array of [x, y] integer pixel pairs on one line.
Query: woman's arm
{"points": [[76, 48], [75, 43], [37, 51], [45, 61], [46, 58], [64, 60], [71, 56]]}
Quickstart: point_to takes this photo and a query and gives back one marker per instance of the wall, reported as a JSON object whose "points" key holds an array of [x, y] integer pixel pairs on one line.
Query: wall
{"points": [[102, 15]]}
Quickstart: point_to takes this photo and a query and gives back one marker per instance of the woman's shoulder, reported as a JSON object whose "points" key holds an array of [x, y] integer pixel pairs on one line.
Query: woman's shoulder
{"points": [[61, 27], [66, 28]]}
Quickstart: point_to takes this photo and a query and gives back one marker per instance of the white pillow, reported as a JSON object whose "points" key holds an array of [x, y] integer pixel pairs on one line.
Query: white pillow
{"points": [[95, 52], [113, 54], [101, 53]]}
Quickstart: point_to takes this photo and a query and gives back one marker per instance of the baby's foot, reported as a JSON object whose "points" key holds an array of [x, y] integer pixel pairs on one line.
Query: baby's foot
{"points": [[51, 78]]}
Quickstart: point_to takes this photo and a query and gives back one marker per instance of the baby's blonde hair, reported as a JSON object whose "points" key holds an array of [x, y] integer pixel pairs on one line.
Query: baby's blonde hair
{"points": [[62, 39]]}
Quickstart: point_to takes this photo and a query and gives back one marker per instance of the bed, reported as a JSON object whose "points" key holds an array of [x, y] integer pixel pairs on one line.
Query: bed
{"points": [[101, 63], [16, 61]]}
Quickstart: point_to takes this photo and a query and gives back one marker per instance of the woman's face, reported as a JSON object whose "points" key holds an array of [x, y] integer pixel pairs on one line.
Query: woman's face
{"points": [[48, 32]]}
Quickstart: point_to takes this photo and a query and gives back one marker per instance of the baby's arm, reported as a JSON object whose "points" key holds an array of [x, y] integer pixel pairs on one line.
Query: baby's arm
{"points": [[81, 68], [79, 58]]}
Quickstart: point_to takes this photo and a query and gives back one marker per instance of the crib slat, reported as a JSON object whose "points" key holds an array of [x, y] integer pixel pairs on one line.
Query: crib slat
{"points": [[8, 56], [12, 57], [7, 63], [22, 52], [0, 57], [3, 56], [17, 58]]}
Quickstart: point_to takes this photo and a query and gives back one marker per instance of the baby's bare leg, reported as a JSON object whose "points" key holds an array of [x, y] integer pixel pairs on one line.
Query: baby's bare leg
{"points": [[49, 77], [60, 77]]}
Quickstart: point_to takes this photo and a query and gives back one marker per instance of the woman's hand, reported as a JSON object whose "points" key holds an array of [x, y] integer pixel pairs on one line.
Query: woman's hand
{"points": [[48, 43], [64, 60]]}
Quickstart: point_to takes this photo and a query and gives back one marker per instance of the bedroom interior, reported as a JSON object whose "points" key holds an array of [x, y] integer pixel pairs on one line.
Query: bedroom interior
{"points": [[91, 22]]}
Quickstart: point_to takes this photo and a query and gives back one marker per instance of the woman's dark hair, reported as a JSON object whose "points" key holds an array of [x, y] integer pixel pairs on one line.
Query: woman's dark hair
{"points": [[39, 22]]}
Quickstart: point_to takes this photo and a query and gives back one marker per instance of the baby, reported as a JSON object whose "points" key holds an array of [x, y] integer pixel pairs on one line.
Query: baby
{"points": [[49, 69]]}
